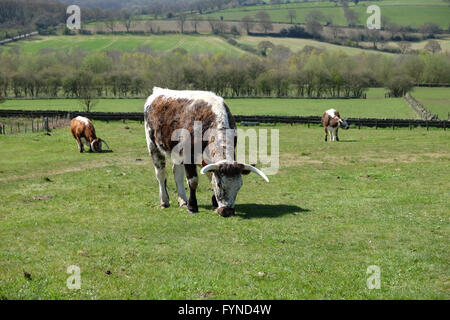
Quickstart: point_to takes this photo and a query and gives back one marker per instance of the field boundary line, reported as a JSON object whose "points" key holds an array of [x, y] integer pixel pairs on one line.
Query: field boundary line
{"points": [[139, 116], [419, 108]]}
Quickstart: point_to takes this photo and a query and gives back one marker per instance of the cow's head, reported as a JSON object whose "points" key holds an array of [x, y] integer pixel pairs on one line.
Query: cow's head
{"points": [[343, 124], [96, 144], [226, 178]]}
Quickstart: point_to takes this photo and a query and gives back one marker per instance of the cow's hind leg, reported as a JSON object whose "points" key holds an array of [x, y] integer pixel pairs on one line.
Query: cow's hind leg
{"points": [[159, 160], [192, 179], [178, 173]]}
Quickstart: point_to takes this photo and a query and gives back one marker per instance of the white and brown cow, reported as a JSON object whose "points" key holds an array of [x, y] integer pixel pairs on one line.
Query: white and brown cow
{"points": [[168, 111], [83, 131], [332, 121]]}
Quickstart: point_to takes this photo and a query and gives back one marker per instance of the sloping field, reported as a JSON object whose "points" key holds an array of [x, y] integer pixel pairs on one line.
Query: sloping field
{"points": [[437, 100], [403, 12], [298, 44], [158, 43]]}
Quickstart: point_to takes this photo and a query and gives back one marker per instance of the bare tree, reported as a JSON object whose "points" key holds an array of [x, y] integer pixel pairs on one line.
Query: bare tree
{"points": [[111, 22], [404, 46], [196, 20], [181, 21], [149, 26], [392, 27], [374, 36], [213, 24], [247, 23], [127, 18], [292, 14], [433, 46], [430, 29], [264, 21], [314, 28]]}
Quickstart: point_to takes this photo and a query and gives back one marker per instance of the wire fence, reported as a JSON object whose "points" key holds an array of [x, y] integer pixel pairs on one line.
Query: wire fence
{"points": [[17, 125], [62, 118]]}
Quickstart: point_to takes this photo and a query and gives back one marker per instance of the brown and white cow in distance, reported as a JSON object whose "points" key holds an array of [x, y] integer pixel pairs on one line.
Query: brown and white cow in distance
{"points": [[332, 121], [167, 111], [83, 131]]}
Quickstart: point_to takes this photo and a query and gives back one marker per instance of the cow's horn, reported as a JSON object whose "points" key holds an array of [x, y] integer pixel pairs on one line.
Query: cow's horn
{"points": [[105, 143], [209, 167], [257, 171]]}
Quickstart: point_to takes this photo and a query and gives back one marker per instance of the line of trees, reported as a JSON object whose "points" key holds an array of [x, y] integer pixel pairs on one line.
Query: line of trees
{"points": [[308, 73]]}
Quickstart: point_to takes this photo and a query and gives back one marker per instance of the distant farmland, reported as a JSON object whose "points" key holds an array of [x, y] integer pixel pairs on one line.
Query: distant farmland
{"points": [[199, 44], [296, 44], [403, 12], [158, 43]]}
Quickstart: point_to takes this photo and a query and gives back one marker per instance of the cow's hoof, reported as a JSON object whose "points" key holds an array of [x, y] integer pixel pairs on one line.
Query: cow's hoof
{"points": [[165, 205], [182, 203], [192, 209]]}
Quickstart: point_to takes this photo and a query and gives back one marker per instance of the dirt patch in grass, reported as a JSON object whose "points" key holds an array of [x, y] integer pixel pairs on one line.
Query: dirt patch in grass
{"points": [[294, 159], [89, 165]]}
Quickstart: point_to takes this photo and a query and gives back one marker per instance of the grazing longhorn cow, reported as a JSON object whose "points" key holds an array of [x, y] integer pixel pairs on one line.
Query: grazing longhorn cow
{"points": [[167, 111], [83, 131], [332, 121]]}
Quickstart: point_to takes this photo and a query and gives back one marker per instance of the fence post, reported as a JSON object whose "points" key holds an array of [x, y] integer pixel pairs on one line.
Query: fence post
{"points": [[46, 124]]}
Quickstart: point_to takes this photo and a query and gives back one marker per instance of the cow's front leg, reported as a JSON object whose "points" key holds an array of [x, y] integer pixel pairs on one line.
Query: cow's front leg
{"points": [[178, 173], [80, 145], [160, 169], [337, 137], [214, 203], [326, 133], [192, 179]]}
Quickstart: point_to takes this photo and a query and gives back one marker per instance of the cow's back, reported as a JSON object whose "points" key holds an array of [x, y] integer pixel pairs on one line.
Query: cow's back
{"points": [[169, 110]]}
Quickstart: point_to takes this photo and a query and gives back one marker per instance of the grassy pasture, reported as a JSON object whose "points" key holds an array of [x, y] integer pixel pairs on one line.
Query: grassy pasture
{"points": [[377, 198], [298, 44], [403, 12], [159, 43], [375, 106], [437, 100]]}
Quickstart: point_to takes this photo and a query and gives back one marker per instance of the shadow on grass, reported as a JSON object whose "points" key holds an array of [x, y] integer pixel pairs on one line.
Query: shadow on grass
{"points": [[252, 210], [348, 140]]}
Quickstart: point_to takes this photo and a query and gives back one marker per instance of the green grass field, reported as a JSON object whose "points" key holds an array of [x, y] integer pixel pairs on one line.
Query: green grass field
{"points": [[403, 12], [375, 106], [437, 100], [298, 44], [158, 43], [377, 198]]}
